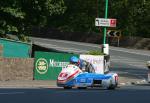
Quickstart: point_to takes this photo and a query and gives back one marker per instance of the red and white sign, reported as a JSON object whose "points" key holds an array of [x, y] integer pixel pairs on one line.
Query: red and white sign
{"points": [[105, 22]]}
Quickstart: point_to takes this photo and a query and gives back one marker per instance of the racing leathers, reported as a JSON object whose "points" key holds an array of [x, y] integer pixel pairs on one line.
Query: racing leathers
{"points": [[86, 66]]}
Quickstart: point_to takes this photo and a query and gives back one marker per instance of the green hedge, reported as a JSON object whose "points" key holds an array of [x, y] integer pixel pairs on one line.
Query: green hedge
{"points": [[95, 52]]}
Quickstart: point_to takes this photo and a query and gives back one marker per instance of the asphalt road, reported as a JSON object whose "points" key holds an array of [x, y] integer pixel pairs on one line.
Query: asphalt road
{"points": [[126, 94], [130, 62]]}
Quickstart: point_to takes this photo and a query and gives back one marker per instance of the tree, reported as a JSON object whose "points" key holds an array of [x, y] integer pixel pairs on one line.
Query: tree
{"points": [[133, 16], [9, 15], [20, 16], [79, 16]]}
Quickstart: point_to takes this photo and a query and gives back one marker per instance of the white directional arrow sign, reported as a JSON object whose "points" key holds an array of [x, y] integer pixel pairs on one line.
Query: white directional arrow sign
{"points": [[105, 22]]}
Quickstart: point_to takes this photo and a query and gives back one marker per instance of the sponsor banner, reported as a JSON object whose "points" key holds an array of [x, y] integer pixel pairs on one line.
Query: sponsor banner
{"points": [[49, 64], [96, 60]]}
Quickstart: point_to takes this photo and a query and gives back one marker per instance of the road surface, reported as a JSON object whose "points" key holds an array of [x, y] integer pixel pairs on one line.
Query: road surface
{"points": [[126, 94]]}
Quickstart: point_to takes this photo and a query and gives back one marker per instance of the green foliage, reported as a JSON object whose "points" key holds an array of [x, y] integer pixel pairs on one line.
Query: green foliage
{"points": [[24, 38], [79, 16], [95, 52], [16, 12], [20, 16], [133, 16]]}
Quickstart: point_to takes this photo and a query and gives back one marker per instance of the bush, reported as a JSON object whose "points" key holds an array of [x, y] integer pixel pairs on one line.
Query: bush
{"points": [[95, 52]]}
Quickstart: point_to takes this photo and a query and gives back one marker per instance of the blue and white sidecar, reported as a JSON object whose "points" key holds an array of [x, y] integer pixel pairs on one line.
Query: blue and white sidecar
{"points": [[72, 76]]}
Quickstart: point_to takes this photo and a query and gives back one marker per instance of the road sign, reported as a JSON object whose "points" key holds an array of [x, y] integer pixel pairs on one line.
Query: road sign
{"points": [[114, 33], [105, 22]]}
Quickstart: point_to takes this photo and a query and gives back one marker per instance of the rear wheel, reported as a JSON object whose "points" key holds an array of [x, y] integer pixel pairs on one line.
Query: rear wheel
{"points": [[67, 87], [82, 87], [111, 87]]}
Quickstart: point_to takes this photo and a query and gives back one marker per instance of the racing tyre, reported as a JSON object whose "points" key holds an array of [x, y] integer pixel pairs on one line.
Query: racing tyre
{"points": [[111, 87], [66, 87], [82, 87]]}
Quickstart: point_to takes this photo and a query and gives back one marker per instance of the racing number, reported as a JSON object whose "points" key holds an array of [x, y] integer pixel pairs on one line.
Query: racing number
{"points": [[63, 75]]}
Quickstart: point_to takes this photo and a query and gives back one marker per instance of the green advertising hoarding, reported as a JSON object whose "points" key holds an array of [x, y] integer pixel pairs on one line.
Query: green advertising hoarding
{"points": [[49, 64]]}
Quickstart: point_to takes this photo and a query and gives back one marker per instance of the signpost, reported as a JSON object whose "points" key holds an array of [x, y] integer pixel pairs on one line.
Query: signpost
{"points": [[148, 65], [106, 14], [105, 22]]}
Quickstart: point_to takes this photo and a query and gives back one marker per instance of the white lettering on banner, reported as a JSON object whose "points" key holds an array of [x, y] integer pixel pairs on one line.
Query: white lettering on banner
{"points": [[53, 63], [96, 61]]}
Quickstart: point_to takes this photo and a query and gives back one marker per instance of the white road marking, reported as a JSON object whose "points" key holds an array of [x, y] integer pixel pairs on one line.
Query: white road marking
{"points": [[125, 58], [131, 52], [121, 72], [89, 90], [11, 93], [129, 61], [72, 42], [61, 48]]}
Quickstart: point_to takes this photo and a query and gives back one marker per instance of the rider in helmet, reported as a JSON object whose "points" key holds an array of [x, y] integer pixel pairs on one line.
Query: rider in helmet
{"points": [[74, 60], [78, 62], [82, 64]]}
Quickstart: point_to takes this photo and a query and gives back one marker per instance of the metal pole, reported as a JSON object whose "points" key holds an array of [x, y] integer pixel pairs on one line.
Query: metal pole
{"points": [[148, 65], [106, 14], [118, 41], [148, 78]]}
